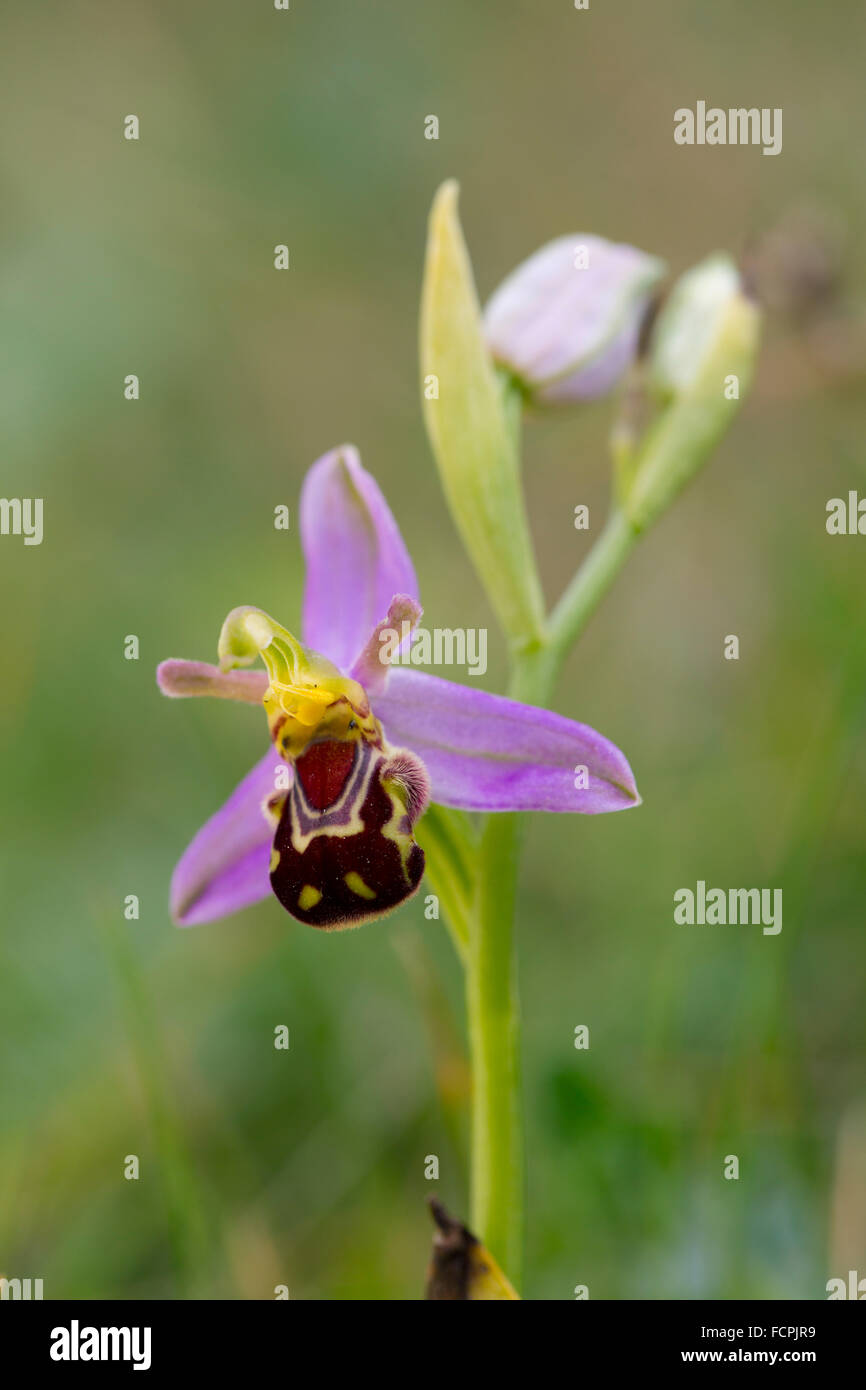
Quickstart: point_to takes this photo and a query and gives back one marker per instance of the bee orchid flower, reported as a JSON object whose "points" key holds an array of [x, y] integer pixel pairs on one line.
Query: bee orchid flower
{"points": [[325, 820]]}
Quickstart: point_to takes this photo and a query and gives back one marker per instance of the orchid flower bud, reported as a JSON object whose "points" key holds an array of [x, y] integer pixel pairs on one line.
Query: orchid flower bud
{"points": [[566, 322], [690, 324], [701, 361]]}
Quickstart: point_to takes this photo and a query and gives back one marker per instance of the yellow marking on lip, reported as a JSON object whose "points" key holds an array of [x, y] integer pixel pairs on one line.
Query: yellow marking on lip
{"points": [[308, 897], [358, 886], [275, 859]]}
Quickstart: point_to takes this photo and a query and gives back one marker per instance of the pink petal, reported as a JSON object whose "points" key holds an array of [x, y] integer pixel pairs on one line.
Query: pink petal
{"points": [[225, 866], [356, 558], [487, 753], [180, 679], [369, 668]]}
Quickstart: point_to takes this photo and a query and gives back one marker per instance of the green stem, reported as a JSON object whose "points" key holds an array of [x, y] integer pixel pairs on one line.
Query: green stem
{"points": [[493, 1009], [492, 997], [591, 583]]}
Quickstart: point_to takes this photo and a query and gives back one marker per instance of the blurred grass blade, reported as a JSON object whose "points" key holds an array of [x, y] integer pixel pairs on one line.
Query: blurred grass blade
{"points": [[189, 1228], [450, 1061]]}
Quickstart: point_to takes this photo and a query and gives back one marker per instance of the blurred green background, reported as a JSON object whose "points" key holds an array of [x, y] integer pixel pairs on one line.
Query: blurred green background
{"points": [[306, 1168]]}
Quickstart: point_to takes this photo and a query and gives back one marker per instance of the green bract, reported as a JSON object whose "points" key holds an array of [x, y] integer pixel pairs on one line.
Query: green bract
{"points": [[468, 427]]}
